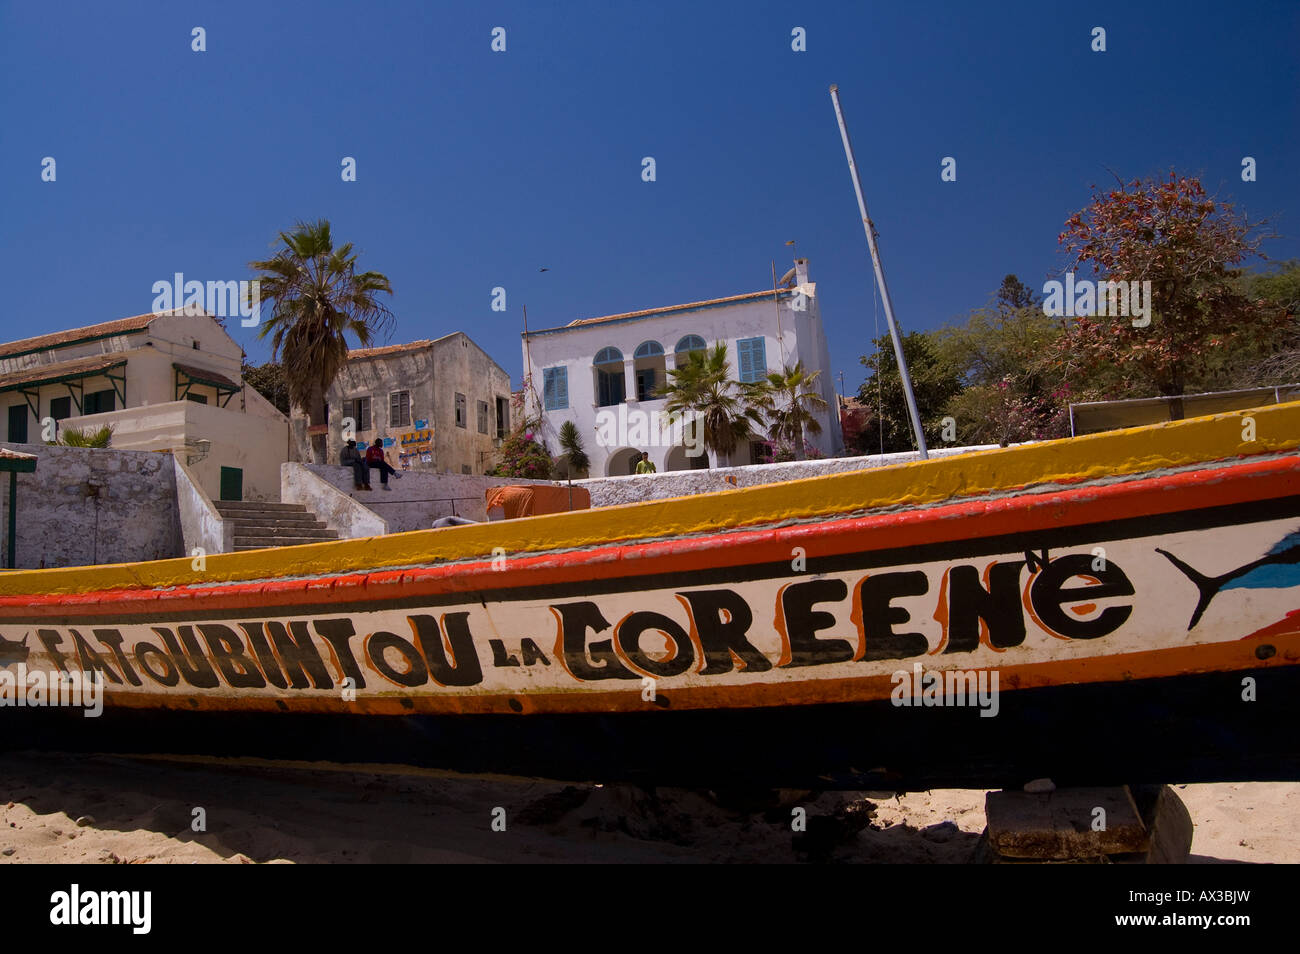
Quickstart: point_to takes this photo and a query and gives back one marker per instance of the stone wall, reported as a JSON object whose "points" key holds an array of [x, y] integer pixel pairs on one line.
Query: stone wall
{"points": [[608, 491], [84, 506], [202, 526], [308, 484], [417, 499]]}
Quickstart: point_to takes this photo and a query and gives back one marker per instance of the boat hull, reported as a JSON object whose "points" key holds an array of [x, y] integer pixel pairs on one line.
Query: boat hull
{"points": [[1069, 627]]}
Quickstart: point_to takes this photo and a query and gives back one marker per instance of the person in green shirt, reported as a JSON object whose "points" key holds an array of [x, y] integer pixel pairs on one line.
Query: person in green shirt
{"points": [[644, 466]]}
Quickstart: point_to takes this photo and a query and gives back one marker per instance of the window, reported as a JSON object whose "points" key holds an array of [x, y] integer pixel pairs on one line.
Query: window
{"points": [[18, 423], [503, 417], [99, 402], [482, 417], [464, 469], [196, 398], [399, 409], [60, 408], [650, 369], [196, 345], [460, 411], [610, 388], [555, 388], [358, 409], [752, 355], [609, 377], [690, 343]]}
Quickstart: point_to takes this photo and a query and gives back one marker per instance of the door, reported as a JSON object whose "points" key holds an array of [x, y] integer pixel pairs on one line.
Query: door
{"points": [[232, 483], [18, 423]]}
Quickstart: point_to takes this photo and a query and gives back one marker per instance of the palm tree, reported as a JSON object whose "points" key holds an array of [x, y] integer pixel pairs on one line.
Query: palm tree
{"points": [[576, 459], [317, 296], [703, 389], [789, 397]]}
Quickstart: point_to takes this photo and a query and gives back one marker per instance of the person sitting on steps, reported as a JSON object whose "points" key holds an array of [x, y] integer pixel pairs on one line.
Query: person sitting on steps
{"points": [[375, 458], [351, 457]]}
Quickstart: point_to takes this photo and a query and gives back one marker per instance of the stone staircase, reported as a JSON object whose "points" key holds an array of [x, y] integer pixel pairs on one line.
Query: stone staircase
{"points": [[260, 525]]}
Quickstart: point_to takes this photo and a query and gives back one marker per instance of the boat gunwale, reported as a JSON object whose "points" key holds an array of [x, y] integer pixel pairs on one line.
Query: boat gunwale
{"points": [[1133, 453]]}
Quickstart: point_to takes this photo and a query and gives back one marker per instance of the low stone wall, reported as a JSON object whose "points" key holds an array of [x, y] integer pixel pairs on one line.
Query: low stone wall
{"points": [[307, 485], [608, 491], [418, 497], [84, 506], [201, 524]]}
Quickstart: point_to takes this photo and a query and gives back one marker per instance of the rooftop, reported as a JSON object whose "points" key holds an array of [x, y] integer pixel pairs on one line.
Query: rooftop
{"points": [[670, 309], [106, 329], [61, 371], [389, 349]]}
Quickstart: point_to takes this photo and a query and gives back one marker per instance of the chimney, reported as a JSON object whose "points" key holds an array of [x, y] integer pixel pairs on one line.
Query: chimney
{"points": [[800, 271]]}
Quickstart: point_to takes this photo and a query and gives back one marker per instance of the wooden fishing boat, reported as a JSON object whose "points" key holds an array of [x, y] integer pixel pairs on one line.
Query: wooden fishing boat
{"points": [[1115, 608]]}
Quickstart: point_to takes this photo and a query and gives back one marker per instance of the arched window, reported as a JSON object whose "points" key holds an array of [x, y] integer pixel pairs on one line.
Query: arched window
{"points": [[690, 343], [609, 377], [649, 365]]}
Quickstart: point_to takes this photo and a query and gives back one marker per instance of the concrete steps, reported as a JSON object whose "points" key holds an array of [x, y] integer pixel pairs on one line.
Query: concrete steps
{"points": [[258, 525]]}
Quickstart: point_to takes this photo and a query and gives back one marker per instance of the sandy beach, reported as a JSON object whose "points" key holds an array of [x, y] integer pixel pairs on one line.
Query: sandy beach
{"points": [[111, 810]]}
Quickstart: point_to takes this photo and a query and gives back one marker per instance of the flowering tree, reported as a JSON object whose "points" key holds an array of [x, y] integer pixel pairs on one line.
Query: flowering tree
{"points": [[1171, 233], [522, 452]]}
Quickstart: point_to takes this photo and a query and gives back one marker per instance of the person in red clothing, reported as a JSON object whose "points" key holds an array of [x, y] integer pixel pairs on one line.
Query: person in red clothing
{"points": [[375, 458]]}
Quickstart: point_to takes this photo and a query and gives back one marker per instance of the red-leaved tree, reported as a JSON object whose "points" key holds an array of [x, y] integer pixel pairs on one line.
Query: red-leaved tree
{"points": [[1170, 232]]}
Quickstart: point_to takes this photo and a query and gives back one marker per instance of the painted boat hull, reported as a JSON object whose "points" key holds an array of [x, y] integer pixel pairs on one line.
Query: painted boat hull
{"points": [[1134, 618]]}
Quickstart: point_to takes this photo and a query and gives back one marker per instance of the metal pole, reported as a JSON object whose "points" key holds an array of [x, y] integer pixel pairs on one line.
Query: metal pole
{"points": [[880, 280], [13, 515], [776, 299]]}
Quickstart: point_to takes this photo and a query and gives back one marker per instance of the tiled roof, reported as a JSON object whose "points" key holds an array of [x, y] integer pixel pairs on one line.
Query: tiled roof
{"points": [[689, 306], [7, 454], [388, 349], [203, 374], [53, 340], [81, 367]]}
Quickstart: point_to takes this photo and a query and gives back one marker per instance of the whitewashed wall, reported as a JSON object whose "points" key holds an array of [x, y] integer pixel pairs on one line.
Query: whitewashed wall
{"points": [[84, 506]]}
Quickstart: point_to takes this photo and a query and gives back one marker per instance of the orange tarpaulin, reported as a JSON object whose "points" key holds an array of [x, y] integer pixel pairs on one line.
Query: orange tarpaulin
{"points": [[534, 499]]}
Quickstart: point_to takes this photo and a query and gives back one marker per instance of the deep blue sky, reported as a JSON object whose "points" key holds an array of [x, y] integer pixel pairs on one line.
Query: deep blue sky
{"points": [[477, 168]]}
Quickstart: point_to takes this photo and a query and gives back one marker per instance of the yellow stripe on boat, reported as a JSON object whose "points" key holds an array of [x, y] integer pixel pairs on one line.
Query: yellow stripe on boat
{"points": [[1117, 453]]}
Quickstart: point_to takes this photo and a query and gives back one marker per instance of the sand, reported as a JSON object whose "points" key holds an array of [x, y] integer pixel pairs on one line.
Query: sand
{"points": [[110, 810]]}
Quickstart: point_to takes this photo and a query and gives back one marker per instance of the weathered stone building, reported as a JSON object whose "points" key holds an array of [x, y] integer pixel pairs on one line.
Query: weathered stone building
{"points": [[440, 405]]}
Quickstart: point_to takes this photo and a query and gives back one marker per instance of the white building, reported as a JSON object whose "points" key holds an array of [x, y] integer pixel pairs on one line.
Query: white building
{"points": [[166, 382], [602, 371]]}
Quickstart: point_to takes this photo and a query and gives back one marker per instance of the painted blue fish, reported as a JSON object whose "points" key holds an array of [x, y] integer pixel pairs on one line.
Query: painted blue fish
{"points": [[13, 651], [1277, 569]]}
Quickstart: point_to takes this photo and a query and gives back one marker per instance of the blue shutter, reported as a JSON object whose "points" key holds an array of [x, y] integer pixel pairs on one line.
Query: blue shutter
{"points": [[752, 355], [555, 388]]}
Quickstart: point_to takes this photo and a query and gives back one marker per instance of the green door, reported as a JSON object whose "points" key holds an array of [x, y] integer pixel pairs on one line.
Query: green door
{"points": [[232, 483]]}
